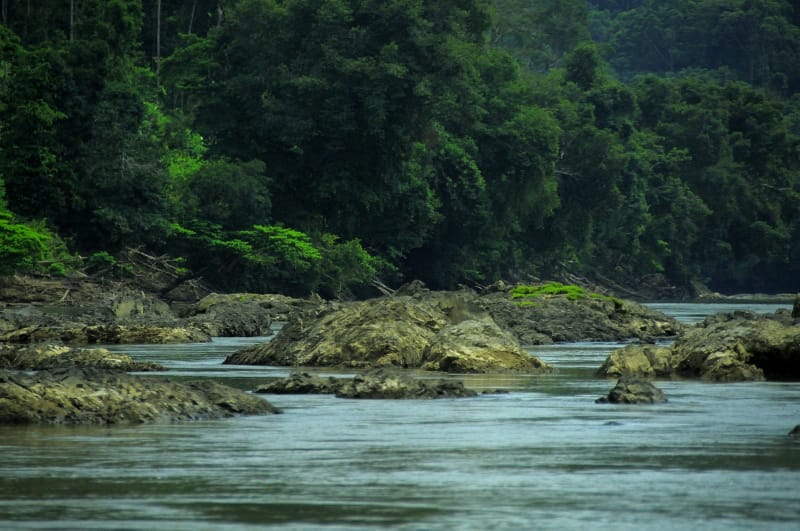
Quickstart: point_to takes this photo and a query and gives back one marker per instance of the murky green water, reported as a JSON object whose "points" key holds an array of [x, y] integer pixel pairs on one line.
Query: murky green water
{"points": [[544, 456]]}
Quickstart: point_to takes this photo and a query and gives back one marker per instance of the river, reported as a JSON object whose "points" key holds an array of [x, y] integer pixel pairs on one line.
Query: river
{"points": [[544, 456]]}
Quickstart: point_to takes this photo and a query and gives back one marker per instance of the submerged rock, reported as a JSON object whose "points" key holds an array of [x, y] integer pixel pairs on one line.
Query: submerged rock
{"points": [[40, 357], [445, 332], [375, 384], [738, 346], [91, 396], [633, 391]]}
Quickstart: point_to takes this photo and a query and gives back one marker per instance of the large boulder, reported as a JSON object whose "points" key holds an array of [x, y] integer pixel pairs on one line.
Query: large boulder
{"points": [[633, 391], [91, 396], [640, 360], [738, 346], [445, 331], [477, 346], [553, 312], [41, 357]]}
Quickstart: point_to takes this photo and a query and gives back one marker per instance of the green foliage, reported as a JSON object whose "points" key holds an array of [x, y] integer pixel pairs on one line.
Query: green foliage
{"points": [[233, 195], [29, 247], [100, 261], [270, 258], [21, 247]]}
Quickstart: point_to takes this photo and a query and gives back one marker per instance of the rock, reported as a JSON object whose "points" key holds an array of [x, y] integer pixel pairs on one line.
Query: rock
{"points": [[590, 317], [376, 383], [148, 334], [41, 357], [234, 315], [301, 384], [432, 331], [633, 391], [738, 346], [477, 346], [91, 396], [640, 360], [795, 433], [277, 307], [380, 384]]}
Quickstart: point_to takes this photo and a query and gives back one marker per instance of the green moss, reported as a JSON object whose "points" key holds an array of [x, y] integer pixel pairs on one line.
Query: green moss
{"points": [[525, 295]]}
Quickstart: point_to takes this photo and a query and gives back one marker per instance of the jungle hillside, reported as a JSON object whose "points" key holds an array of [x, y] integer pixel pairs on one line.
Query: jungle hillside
{"points": [[301, 146]]}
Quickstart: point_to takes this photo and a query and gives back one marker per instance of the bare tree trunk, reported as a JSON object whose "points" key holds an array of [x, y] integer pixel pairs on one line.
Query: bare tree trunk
{"points": [[191, 17], [5, 12], [71, 20], [219, 15], [158, 37]]}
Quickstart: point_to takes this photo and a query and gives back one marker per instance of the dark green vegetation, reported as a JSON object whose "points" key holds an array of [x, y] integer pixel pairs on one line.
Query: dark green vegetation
{"points": [[299, 145]]}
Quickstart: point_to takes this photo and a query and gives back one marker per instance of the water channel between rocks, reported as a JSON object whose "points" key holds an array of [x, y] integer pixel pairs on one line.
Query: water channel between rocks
{"points": [[544, 456]]}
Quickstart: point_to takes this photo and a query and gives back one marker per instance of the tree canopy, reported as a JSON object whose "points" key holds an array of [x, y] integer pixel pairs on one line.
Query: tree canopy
{"points": [[316, 145]]}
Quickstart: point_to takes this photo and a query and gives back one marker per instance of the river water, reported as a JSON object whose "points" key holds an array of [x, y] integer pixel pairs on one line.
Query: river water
{"points": [[544, 456]]}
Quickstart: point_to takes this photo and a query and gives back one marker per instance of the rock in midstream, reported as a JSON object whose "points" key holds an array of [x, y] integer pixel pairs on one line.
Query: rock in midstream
{"points": [[94, 396]]}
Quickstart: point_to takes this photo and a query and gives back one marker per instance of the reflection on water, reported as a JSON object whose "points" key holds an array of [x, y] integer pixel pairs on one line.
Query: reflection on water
{"points": [[545, 456]]}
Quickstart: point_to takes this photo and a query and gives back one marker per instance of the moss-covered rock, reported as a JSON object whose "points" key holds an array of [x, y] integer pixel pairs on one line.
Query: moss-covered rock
{"points": [[91, 396], [738, 346], [41, 357], [442, 331], [374, 384]]}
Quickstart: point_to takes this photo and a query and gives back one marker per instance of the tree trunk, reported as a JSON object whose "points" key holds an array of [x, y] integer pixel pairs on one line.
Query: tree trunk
{"points": [[158, 38], [191, 16], [71, 20]]}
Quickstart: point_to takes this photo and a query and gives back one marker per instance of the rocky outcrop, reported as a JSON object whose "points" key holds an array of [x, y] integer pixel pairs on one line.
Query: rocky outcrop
{"points": [[559, 318], [42, 357], [376, 384], [396, 386], [477, 346], [106, 334], [245, 314], [127, 316], [640, 360], [633, 391], [91, 396], [234, 315], [301, 383], [446, 332], [738, 346]]}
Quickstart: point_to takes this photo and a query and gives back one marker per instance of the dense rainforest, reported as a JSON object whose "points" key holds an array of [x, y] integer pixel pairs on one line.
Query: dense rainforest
{"points": [[319, 145]]}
